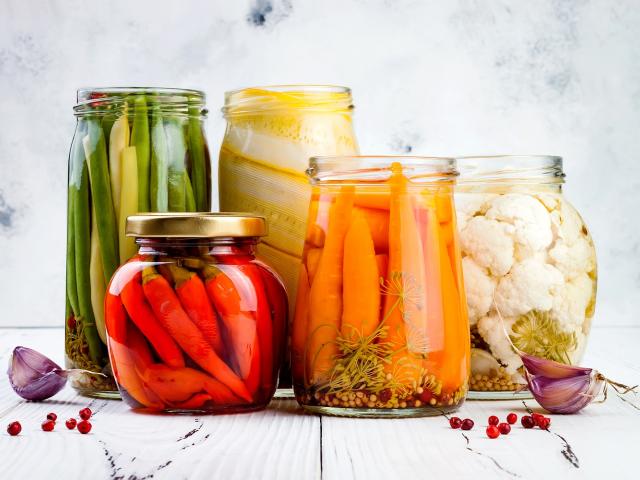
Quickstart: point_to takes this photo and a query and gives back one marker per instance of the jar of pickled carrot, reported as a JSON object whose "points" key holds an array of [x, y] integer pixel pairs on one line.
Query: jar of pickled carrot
{"points": [[194, 322], [380, 325]]}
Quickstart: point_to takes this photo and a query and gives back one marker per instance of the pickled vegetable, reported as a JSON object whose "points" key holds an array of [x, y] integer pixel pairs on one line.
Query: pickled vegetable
{"points": [[380, 323], [130, 153], [209, 338]]}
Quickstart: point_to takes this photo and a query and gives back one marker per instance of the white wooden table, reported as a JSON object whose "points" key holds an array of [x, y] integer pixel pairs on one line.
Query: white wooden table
{"points": [[282, 442]]}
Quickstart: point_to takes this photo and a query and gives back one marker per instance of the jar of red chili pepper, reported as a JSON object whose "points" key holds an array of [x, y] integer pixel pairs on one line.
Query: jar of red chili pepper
{"points": [[195, 323]]}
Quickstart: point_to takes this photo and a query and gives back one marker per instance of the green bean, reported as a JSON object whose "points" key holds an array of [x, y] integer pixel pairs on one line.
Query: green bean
{"points": [[190, 202], [72, 288], [159, 164], [198, 168], [140, 139], [107, 124], [96, 153], [82, 257], [76, 162], [177, 149]]}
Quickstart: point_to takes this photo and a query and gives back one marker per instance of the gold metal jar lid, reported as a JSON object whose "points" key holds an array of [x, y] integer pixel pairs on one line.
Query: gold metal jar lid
{"points": [[196, 225]]}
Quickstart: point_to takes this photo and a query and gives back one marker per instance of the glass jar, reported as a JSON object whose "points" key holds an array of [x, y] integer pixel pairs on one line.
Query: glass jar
{"points": [[134, 150], [194, 322], [381, 327], [529, 266], [271, 134]]}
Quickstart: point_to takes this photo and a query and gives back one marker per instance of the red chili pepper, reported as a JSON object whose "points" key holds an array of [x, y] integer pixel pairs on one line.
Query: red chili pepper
{"points": [[194, 299], [115, 317], [133, 298], [166, 306], [277, 297], [263, 324], [224, 293]]}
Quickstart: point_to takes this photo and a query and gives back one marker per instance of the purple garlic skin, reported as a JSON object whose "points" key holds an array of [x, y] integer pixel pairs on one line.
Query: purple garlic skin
{"points": [[34, 376], [560, 388]]}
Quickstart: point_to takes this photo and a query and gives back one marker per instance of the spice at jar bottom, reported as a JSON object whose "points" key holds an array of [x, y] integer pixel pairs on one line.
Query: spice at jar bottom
{"points": [[194, 321], [380, 326]]}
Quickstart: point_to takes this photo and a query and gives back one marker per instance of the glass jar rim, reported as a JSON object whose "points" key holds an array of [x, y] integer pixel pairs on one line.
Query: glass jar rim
{"points": [[103, 99], [539, 169], [274, 98], [377, 169], [196, 225]]}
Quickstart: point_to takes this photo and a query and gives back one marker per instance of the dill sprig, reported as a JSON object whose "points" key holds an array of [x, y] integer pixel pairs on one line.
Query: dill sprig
{"points": [[536, 333], [363, 360]]}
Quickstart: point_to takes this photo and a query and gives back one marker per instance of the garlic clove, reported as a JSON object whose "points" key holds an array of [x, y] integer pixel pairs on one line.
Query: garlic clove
{"points": [[566, 395], [549, 368], [34, 376]]}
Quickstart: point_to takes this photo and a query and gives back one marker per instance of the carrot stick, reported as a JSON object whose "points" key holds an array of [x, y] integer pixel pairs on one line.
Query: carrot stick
{"points": [[404, 311], [194, 299], [239, 323], [142, 316], [372, 200], [300, 327], [453, 360], [444, 204], [325, 295], [382, 259], [378, 222], [361, 288], [313, 259], [166, 306], [315, 231], [430, 232]]}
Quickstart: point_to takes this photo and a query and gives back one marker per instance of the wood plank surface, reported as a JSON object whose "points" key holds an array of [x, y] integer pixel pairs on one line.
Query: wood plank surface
{"points": [[284, 443]]}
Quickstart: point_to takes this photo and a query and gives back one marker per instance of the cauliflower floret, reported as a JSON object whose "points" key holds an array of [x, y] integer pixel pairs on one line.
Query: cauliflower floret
{"points": [[492, 331], [489, 243], [530, 219], [468, 205], [573, 260], [570, 302], [479, 289], [566, 222], [530, 285]]}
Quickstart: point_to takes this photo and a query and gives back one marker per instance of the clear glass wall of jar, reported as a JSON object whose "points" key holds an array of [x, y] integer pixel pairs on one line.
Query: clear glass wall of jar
{"points": [[271, 134], [134, 150], [381, 325], [529, 267]]}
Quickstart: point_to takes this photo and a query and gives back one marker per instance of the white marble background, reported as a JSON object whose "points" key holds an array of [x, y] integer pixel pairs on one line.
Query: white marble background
{"points": [[430, 77]]}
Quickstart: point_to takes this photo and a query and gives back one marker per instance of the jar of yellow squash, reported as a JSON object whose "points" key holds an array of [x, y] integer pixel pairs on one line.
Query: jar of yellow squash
{"points": [[271, 134], [381, 326]]}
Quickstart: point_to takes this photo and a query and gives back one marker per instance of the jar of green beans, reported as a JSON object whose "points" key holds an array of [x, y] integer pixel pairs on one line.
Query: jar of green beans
{"points": [[134, 150]]}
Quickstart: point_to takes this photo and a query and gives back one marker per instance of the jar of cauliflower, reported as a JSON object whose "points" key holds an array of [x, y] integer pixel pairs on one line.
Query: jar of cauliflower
{"points": [[529, 268]]}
